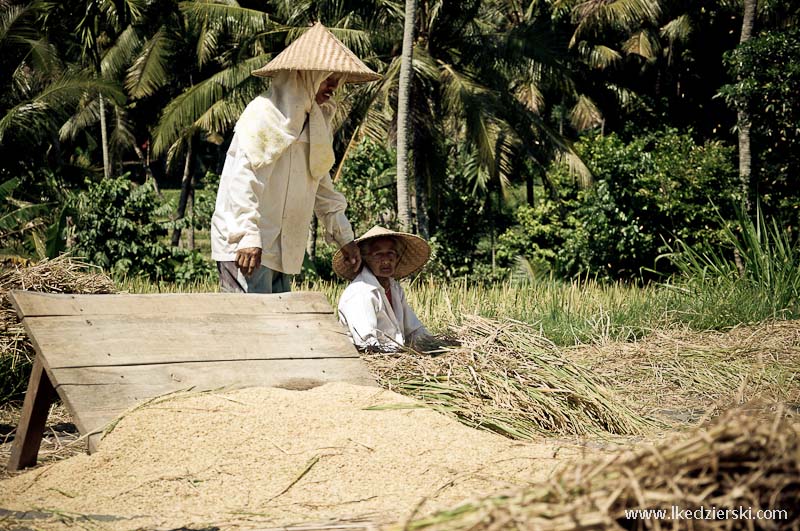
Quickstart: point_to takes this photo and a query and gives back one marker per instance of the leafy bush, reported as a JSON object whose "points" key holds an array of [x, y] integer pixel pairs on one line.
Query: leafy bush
{"points": [[123, 228], [368, 182], [647, 193], [767, 68]]}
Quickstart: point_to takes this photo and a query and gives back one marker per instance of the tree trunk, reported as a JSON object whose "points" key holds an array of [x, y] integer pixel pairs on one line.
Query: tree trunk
{"points": [[403, 132], [104, 139], [148, 172], [191, 215], [421, 192], [743, 117], [186, 185], [529, 188], [311, 244]]}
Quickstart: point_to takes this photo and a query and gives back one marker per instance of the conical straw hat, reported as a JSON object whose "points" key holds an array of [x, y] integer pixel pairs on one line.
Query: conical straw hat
{"points": [[413, 250], [318, 50]]}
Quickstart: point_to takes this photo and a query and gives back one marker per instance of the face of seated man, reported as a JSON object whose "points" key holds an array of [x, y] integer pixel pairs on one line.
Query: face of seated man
{"points": [[381, 257]]}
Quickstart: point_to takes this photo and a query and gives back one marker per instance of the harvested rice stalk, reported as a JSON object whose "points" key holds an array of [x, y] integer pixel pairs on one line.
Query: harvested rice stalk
{"points": [[60, 275], [741, 463], [507, 378]]}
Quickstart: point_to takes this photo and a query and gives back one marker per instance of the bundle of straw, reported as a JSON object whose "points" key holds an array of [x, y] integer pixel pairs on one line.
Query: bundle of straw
{"points": [[60, 275], [744, 465], [506, 377]]}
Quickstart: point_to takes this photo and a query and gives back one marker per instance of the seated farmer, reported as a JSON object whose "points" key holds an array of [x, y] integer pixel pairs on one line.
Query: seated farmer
{"points": [[374, 306]]}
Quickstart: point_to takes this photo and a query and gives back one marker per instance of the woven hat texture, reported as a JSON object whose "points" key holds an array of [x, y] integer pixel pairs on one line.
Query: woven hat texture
{"points": [[319, 50], [413, 250]]}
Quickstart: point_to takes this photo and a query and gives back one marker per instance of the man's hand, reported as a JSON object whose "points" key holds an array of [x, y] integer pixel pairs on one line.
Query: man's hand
{"points": [[352, 256], [248, 260]]}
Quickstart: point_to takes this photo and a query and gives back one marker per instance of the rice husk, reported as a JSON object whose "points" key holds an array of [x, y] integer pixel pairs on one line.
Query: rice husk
{"points": [[267, 457], [741, 462]]}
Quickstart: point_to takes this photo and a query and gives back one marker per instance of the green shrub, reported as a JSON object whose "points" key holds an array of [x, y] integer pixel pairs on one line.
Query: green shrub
{"points": [[764, 285], [647, 193], [122, 227]]}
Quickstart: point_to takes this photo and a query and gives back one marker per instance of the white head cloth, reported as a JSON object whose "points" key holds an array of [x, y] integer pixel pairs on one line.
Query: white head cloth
{"points": [[274, 120]]}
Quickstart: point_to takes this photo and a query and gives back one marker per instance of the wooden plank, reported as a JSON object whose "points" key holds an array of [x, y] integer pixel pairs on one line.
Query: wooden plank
{"points": [[100, 394], [111, 340], [33, 304], [38, 398]]}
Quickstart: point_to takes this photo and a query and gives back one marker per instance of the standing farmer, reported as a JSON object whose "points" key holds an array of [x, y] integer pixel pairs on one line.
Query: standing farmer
{"points": [[276, 170]]}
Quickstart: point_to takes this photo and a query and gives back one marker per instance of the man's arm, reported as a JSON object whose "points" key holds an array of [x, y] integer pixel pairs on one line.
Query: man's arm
{"points": [[244, 195], [330, 207]]}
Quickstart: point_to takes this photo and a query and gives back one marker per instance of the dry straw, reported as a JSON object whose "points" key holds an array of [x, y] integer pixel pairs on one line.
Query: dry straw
{"points": [[60, 275], [739, 462], [506, 377]]}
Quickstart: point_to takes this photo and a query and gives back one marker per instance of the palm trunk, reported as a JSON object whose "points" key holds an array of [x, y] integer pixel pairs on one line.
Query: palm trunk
{"points": [[191, 216], [743, 117], [403, 96], [186, 185], [421, 193], [311, 244], [104, 139]]}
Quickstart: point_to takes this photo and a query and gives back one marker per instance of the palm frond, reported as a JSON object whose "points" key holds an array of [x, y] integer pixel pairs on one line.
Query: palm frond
{"points": [[148, 73], [85, 116], [594, 16], [122, 136], [207, 44], [585, 114], [598, 56], [40, 115], [120, 55], [643, 43], [185, 110], [232, 17]]}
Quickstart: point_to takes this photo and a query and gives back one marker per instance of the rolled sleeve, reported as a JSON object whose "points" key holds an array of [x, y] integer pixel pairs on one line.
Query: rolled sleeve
{"points": [[244, 193], [330, 207]]}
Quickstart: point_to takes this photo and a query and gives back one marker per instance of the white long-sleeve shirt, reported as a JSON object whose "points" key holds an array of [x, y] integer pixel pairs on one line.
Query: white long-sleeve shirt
{"points": [[271, 207], [372, 321]]}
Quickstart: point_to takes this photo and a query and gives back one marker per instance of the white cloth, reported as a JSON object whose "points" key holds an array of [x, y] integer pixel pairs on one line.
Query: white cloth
{"points": [[373, 322], [276, 174]]}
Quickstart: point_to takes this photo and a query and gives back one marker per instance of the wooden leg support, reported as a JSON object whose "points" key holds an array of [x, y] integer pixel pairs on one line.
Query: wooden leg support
{"points": [[38, 398]]}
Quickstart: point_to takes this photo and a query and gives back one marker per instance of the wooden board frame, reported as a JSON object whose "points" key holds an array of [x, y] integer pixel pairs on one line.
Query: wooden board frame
{"points": [[104, 354]]}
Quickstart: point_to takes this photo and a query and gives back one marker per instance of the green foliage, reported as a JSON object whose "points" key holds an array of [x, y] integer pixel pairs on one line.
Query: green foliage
{"points": [[122, 227], [768, 89], [367, 181], [767, 286], [648, 192]]}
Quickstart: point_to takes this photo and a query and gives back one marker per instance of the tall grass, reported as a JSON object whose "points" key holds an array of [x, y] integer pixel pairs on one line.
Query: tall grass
{"points": [[712, 290], [565, 312], [709, 292]]}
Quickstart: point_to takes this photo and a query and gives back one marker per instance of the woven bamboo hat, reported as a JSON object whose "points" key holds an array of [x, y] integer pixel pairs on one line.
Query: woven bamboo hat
{"points": [[413, 250], [318, 50]]}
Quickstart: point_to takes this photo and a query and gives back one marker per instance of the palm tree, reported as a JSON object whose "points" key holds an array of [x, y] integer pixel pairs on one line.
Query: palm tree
{"points": [[403, 133], [742, 116], [39, 91]]}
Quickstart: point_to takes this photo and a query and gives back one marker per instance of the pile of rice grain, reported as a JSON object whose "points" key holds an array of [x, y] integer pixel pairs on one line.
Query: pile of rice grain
{"points": [[266, 457]]}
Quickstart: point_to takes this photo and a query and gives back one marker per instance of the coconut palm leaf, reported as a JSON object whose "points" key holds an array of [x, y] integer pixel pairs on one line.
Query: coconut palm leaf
{"points": [[36, 117], [125, 48], [598, 56], [643, 43], [585, 114], [85, 116], [148, 72], [229, 16], [190, 106], [594, 16]]}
